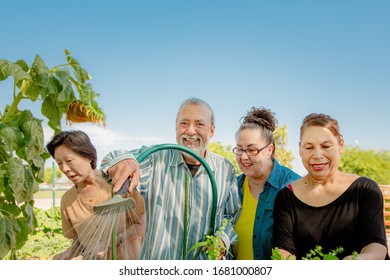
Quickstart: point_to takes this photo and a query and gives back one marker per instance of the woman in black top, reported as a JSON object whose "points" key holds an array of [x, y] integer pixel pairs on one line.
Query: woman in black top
{"points": [[328, 207]]}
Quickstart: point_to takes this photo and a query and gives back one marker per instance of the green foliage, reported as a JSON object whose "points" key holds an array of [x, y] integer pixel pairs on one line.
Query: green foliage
{"points": [[226, 152], [283, 155], [314, 254], [49, 174], [369, 163], [212, 243], [317, 254], [49, 221], [47, 239], [22, 155], [42, 247]]}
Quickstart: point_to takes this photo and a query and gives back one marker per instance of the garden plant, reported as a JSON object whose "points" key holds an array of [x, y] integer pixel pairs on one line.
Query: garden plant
{"points": [[62, 90]]}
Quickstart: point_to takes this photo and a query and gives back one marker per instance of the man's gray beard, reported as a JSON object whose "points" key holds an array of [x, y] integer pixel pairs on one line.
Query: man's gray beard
{"points": [[190, 157]]}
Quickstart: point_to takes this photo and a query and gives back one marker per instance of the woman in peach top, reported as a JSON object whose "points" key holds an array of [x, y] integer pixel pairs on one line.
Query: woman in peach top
{"points": [[76, 158]]}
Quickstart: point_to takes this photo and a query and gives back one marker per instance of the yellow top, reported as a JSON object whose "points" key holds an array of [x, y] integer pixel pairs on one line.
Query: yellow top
{"points": [[245, 223]]}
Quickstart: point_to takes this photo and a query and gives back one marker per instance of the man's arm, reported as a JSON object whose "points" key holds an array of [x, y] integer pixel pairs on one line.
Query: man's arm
{"points": [[231, 211], [119, 165]]}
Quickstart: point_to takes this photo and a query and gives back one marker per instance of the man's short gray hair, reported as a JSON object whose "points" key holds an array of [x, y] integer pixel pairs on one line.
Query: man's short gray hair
{"points": [[197, 101]]}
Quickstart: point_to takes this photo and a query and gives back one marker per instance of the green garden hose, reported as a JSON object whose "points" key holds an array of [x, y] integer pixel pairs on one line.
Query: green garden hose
{"points": [[159, 147]]}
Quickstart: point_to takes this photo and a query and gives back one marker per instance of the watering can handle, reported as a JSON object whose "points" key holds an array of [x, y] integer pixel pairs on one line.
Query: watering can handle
{"points": [[123, 189]]}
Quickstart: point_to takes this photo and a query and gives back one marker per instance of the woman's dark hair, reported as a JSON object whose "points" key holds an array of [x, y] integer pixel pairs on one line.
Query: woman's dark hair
{"points": [[262, 119], [75, 140]]}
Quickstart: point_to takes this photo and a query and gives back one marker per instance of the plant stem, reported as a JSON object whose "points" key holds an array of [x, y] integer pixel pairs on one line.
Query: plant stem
{"points": [[61, 65], [14, 106]]}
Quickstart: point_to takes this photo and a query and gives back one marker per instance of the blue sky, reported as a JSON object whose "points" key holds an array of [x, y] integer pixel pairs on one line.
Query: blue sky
{"points": [[146, 57]]}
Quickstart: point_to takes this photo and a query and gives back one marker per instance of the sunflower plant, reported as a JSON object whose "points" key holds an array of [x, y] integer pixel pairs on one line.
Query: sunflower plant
{"points": [[61, 90]]}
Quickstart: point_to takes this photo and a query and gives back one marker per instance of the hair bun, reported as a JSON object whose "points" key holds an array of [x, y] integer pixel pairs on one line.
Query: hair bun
{"points": [[262, 117]]}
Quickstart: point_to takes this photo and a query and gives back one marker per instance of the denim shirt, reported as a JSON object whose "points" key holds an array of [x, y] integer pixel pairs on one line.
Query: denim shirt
{"points": [[280, 177]]}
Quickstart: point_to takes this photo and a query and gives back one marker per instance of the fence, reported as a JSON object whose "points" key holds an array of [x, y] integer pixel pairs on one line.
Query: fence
{"points": [[386, 205], [49, 196]]}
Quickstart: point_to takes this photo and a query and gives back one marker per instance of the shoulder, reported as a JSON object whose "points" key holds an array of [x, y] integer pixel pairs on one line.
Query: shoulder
{"points": [[284, 196], [366, 184], [290, 173], [218, 159], [70, 192], [281, 175], [69, 195], [284, 169]]}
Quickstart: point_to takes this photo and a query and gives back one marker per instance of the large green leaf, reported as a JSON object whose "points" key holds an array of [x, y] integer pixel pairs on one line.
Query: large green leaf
{"points": [[64, 89], [39, 73], [23, 65], [31, 218], [33, 135], [87, 94], [52, 112], [3, 172], [10, 137], [38, 167], [21, 180], [4, 69], [4, 155], [7, 68], [80, 73], [7, 233], [22, 230]]}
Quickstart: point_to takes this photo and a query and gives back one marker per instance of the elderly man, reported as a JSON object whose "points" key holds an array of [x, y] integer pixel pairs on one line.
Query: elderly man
{"points": [[178, 213]]}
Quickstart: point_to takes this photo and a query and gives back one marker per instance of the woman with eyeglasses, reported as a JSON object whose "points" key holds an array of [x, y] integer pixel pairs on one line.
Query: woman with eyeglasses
{"points": [[262, 178]]}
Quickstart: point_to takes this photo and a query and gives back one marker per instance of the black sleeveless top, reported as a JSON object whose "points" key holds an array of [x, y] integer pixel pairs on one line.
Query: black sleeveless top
{"points": [[352, 221]]}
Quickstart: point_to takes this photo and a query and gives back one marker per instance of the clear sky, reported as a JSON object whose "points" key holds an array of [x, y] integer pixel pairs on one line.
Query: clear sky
{"points": [[146, 57]]}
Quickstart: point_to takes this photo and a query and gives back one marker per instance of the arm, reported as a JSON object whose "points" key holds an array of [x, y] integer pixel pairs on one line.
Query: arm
{"points": [[373, 251], [231, 212], [371, 222], [117, 166], [283, 227]]}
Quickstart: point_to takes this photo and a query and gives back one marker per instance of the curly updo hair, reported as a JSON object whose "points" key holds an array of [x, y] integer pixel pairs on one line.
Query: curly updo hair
{"points": [[262, 119]]}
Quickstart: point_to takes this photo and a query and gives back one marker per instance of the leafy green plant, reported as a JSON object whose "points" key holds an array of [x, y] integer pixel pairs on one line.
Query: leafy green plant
{"points": [[49, 221], [47, 239], [22, 155], [314, 254], [317, 254], [213, 244]]}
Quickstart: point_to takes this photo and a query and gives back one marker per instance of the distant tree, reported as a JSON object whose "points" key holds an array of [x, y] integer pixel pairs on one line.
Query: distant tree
{"points": [[226, 152], [284, 156], [49, 174], [369, 163]]}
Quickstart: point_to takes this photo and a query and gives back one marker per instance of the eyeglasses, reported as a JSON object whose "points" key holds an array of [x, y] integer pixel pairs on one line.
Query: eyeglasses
{"points": [[249, 151]]}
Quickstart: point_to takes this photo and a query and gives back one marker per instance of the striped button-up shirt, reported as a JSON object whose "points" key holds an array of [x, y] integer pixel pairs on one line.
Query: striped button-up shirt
{"points": [[174, 209]]}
